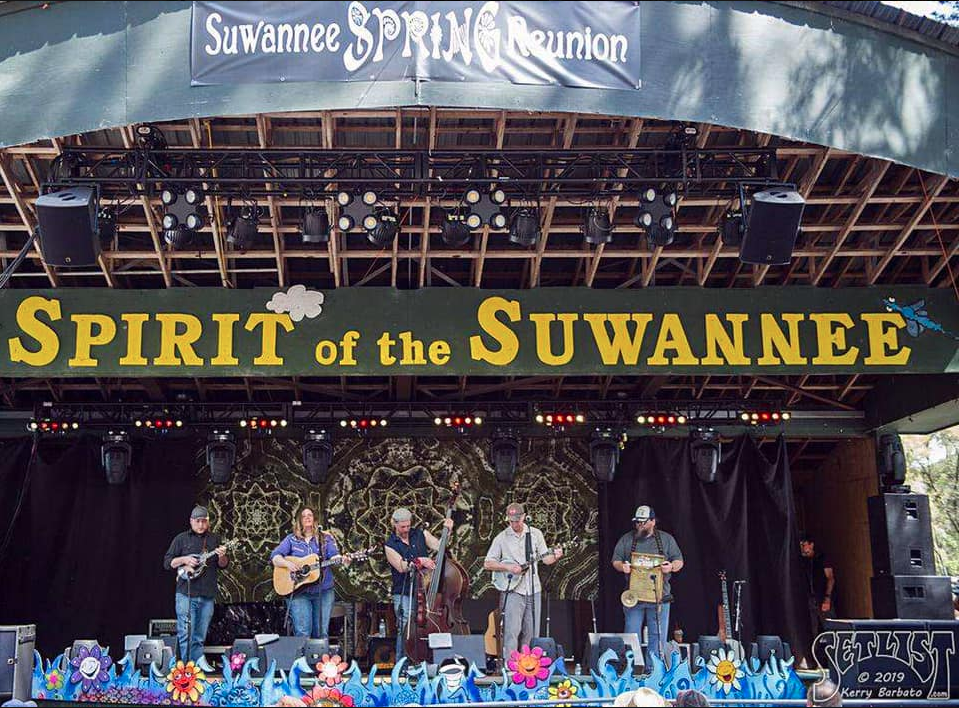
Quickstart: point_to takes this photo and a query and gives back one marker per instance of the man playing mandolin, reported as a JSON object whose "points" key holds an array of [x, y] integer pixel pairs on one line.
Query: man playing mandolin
{"points": [[195, 598], [311, 605], [407, 551], [516, 551]]}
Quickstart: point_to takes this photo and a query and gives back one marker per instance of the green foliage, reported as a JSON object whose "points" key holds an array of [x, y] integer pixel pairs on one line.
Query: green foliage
{"points": [[933, 468]]}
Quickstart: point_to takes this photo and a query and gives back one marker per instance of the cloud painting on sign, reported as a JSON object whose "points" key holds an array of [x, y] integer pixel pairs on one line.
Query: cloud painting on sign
{"points": [[298, 302]]}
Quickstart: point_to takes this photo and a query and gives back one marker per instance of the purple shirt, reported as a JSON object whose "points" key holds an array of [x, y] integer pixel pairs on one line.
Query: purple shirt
{"points": [[294, 546]]}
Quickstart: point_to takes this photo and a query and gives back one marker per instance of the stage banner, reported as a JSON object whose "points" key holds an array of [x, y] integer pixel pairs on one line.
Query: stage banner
{"points": [[585, 45], [465, 331]]}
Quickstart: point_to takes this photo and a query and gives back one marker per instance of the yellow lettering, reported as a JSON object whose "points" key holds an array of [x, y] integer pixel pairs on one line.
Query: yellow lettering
{"points": [[884, 349], [134, 322], [501, 333], [623, 345], [672, 336], [45, 335], [544, 344], [348, 345], [325, 352], [224, 340], [775, 338], [412, 350], [172, 341], [439, 352], [268, 324], [385, 343], [86, 339], [718, 338], [831, 337]]}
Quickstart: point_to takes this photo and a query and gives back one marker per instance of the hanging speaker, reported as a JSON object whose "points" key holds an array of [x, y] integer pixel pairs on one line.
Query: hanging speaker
{"points": [[771, 227], [68, 227], [891, 460]]}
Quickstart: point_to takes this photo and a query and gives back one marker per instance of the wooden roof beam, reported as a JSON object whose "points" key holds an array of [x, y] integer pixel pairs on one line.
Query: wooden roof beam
{"points": [[26, 215]]}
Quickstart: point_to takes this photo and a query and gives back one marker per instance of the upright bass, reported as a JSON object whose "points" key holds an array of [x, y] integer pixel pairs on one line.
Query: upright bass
{"points": [[439, 597]]}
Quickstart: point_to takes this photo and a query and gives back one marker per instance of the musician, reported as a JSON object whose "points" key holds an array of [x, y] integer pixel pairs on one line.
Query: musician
{"points": [[310, 606], [820, 582], [407, 550], [515, 551], [195, 599], [646, 538]]}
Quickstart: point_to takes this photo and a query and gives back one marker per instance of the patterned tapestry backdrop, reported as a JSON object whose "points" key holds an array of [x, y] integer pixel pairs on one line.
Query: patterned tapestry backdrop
{"points": [[370, 478]]}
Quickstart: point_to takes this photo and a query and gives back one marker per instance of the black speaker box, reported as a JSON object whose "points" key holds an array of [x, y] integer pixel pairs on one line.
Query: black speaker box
{"points": [[16, 661], [771, 227], [284, 651], [900, 532], [472, 647], [381, 652], [912, 597], [68, 227]]}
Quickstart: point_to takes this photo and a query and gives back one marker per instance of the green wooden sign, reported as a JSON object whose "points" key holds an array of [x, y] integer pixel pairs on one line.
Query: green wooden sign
{"points": [[457, 331]]}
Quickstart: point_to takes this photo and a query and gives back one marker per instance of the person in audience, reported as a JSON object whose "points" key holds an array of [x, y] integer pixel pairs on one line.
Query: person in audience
{"points": [[824, 693], [691, 697]]}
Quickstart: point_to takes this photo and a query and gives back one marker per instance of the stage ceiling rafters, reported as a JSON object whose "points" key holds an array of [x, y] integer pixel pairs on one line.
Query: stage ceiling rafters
{"points": [[867, 221]]}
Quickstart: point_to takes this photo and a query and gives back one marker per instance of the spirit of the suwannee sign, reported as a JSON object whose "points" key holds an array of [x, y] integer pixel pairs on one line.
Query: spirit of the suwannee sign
{"points": [[585, 45], [463, 331]]}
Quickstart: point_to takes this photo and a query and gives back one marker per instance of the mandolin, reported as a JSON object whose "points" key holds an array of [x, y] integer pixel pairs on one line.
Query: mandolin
{"points": [[309, 569], [185, 572]]}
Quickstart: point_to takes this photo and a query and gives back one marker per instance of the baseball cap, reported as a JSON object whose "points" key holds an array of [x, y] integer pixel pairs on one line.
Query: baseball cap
{"points": [[644, 513], [515, 510], [199, 512]]}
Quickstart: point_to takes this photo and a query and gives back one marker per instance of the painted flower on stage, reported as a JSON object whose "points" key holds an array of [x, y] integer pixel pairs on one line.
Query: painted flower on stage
{"points": [[725, 671], [236, 661], [329, 669], [563, 691], [54, 681], [90, 666], [529, 666], [323, 696], [185, 682]]}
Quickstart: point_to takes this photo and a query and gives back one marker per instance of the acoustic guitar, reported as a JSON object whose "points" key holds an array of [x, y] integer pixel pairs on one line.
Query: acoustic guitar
{"points": [[309, 569]]}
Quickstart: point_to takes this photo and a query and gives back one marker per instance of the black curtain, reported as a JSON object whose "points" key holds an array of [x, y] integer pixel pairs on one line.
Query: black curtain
{"points": [[85, 557], [743, 523]]}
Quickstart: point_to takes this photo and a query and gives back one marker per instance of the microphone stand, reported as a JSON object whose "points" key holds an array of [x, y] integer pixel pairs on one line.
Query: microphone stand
{"points": [[738, 588], [659, 634]]}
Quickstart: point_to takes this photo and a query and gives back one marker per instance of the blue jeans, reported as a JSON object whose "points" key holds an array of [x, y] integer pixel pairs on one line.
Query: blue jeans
{"points": [[201, 611], [404, 610], [310, 614], [645, 614]]}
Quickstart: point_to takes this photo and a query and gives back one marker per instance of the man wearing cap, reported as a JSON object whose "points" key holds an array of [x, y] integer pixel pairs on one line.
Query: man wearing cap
{"points": [[407, 550], [516, 551], [646, 538], [195, 599]]}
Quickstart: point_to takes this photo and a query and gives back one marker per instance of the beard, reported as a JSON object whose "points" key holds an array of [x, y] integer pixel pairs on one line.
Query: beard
{"points": [[644, 533]]}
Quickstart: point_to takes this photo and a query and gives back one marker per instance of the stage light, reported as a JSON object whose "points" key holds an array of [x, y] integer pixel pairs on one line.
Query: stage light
{"points": [[553, 419], [472, 196], [345, 222], [384, 227], [168, 197], [454, 229], [316, 226], [115, 454], [196, 220], [504, 455], [106, 225], [498, 221], [461, 421], [604, 449], [179, 238], [220, 456], [344, 198], [193, 195], [317, 455], [731, 228], [149, 137], [243, 232], [656, 216], [661, 420], [497, 196], [764, 417], [170, 222], [369, 197], [525, 229], [597, 228], [705, 452]]}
